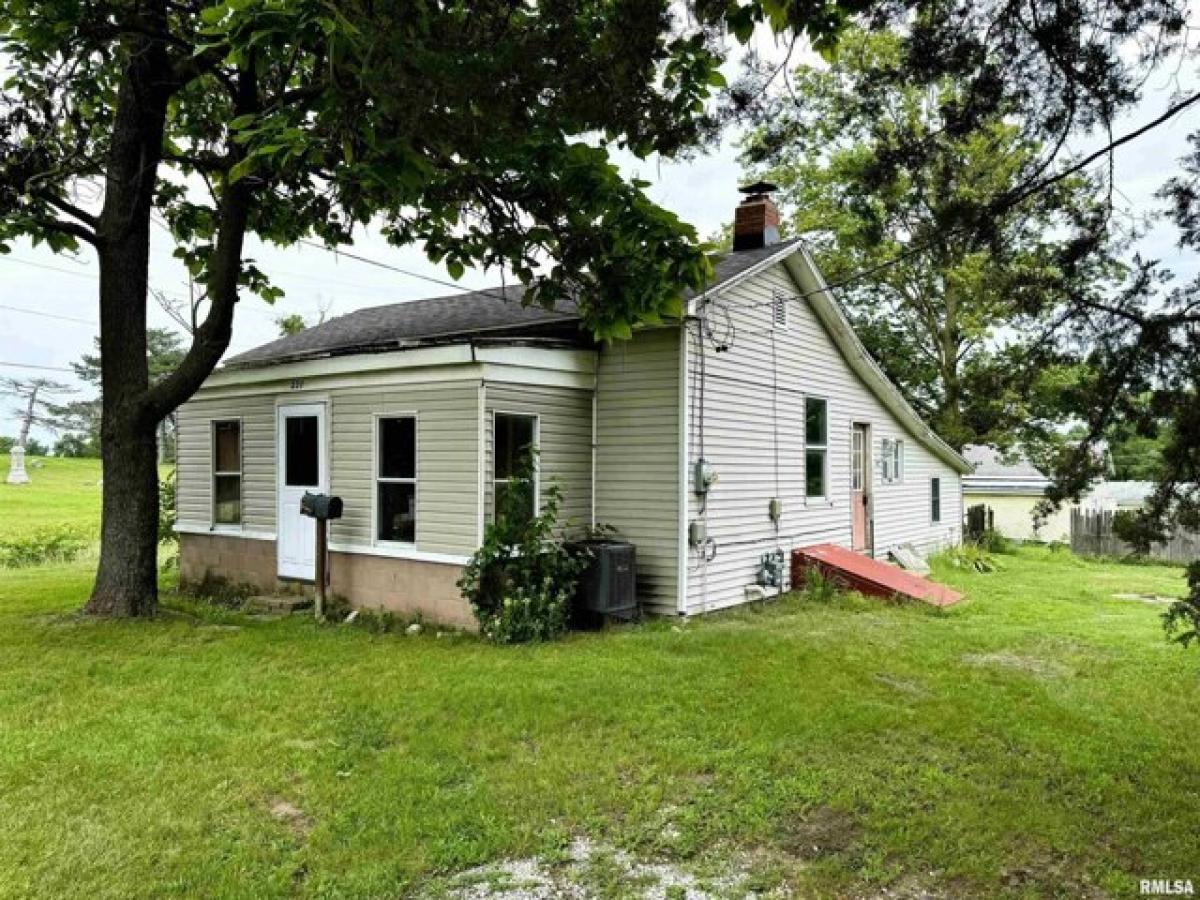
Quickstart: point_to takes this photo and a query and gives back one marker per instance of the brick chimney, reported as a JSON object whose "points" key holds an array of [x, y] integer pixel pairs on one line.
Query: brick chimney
{"points": [[756, 220]]}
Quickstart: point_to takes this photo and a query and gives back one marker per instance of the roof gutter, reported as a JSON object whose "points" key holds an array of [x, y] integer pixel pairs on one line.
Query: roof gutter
{"points": [[802, 268]]}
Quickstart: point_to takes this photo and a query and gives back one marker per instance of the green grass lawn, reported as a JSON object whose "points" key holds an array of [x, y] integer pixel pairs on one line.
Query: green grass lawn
{"points": [[1038, 740], [60, 492]]}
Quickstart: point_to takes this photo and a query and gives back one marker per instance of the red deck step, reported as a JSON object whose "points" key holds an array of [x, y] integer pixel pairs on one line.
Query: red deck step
{"points": [[870, 576]]}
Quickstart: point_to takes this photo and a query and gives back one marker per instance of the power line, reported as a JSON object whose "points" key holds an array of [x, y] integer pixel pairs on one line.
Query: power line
{"points": [[46, 315], [37, 265], [409, 272], [13, 365]]}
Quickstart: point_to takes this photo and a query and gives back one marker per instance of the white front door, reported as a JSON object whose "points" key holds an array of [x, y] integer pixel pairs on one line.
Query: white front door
{"points": [[300, 437]]}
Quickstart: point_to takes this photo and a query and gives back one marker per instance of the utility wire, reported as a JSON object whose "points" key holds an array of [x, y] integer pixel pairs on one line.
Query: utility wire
{"points": [[14, 365], [46, 315], [409, 272]]}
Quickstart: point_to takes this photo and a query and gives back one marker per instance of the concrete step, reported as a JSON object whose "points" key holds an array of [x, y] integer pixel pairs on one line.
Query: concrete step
{"points": [[278, 604]]}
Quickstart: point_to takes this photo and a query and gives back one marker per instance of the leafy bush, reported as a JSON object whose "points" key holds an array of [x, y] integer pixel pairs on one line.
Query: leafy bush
{"points": [[992, 541], [166, 510], [521, 580], [1182, 618], [818, 586], [972, 556], [47, 545]]}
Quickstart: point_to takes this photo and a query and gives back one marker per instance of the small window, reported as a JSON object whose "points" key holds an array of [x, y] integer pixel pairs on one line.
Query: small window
{"points": [[816, 446], [514, 439], [227, 472], [779, 312], [935, 500], [396, 479], [893, 460]]}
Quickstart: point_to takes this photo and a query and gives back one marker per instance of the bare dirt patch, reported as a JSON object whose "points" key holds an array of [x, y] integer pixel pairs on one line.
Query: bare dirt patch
{"points": [[290, 815], [821, 831]]}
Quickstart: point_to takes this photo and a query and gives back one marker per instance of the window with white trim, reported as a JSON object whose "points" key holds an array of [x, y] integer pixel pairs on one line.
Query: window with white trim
{"points": [[396, 479], [816, 447], [227, 472], [935, 500], [514, 437], [893, 460]]}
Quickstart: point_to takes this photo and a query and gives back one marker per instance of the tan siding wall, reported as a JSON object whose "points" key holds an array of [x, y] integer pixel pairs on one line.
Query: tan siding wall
{"points": [[194, 459], [447, 462], [745, 419], [564, 439], [637, 456]]}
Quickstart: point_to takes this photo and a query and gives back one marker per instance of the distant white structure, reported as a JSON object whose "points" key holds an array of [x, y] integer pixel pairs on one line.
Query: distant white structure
{"points": [[16, 466], [1012, 487]]}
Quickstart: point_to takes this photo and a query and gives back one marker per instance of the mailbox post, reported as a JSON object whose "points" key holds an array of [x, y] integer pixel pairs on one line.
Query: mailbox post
{"points": [[322, 508]]}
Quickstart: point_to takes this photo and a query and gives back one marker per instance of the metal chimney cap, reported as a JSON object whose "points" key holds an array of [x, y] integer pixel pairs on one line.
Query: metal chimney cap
{"points": [[759, 187]]}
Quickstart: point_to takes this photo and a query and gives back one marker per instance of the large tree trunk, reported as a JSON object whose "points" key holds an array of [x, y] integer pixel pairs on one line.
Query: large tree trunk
{"points": [[127, 577]]}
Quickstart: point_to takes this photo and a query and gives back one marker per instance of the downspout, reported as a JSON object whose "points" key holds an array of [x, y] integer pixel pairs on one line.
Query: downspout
{"points": [[595, 392]]}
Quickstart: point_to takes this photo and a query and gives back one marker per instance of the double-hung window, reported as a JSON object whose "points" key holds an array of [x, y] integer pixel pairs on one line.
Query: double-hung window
{"points": [[935, 500], [227, 472], [893, 460], [513, 440], [816, 447], [396, 479]]}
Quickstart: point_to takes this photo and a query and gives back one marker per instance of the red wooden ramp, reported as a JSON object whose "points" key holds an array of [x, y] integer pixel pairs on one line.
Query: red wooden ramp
{"points": [[870, 576]]}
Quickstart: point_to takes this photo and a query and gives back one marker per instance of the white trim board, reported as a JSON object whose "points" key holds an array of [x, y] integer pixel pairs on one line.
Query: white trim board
{"points": [[210, 531]]}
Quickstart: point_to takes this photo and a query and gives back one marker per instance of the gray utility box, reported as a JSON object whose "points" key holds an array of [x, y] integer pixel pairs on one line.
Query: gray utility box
{"points": [[608, 586]]}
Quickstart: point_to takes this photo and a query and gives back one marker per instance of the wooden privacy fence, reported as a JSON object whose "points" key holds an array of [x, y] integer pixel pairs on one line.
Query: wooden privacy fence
{"points": [[1092, 535]]}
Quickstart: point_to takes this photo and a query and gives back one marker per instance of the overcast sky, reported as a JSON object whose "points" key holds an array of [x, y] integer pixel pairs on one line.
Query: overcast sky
{"points": [[48, 304]]}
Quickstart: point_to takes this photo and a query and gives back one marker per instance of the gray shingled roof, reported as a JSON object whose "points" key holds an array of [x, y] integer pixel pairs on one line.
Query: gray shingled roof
{"points": [[495, 312]]}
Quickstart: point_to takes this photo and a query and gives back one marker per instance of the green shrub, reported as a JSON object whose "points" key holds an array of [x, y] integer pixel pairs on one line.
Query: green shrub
{"points": [[818, 586], [47, 545], [1182, 618], [972, 556], [166, 510], [522, 579], [992, 541]]}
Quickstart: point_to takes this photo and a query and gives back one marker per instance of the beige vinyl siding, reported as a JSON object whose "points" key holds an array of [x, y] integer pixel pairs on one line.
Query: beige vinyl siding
{"points": [[447, 462], [753, 408], [564, 434], [194, 460], [637, 456]]}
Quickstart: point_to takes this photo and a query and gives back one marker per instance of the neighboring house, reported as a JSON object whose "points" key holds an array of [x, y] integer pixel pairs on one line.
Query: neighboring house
{"points": [[1011, 486], [414, 413]]}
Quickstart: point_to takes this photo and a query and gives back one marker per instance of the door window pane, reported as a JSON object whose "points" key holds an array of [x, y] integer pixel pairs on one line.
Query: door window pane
{"points": [[302, 451], [398, 448], [398, 511]]}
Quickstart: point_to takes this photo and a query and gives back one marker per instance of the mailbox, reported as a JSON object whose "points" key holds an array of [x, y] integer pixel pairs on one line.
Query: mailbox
{"points": [[322, 507]]}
